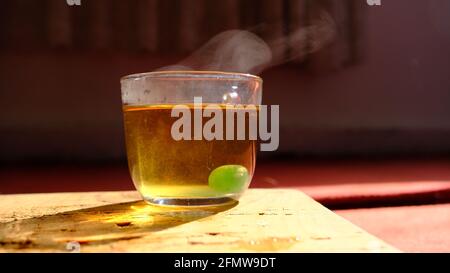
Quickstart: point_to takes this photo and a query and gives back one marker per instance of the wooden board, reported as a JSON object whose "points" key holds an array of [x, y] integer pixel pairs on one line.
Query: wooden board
{"points": [[264, 220]]}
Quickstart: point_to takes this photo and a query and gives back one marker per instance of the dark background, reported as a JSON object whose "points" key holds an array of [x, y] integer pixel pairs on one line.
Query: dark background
{"points": [[380, 90], [364, 122]]}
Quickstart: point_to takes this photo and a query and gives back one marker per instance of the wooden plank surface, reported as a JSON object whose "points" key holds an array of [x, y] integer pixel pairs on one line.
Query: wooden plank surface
{"points": [[264, 220]]}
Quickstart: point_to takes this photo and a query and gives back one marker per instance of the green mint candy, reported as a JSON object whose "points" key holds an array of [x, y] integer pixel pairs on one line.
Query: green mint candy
{"points": [[228, 178]]}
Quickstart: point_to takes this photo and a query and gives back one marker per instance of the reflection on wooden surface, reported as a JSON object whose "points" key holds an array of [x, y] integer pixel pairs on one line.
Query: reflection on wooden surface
{"points": [[98, 225], [264, 220]]}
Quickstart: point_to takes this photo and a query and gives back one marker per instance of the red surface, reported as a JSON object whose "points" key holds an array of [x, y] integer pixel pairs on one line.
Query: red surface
{"points": [[363, 184], [411, 229], [344, 184]]}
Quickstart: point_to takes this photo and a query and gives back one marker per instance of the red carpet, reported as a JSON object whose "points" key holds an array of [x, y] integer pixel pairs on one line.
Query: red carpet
{"points": [[411, 229], [363, 184]]}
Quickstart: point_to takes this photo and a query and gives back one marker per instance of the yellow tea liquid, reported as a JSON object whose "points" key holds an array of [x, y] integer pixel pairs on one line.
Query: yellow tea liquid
{"points": [[164, 169]]}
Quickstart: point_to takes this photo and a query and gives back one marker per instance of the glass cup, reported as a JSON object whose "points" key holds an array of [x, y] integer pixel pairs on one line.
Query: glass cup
{"points": [[184, 165]]}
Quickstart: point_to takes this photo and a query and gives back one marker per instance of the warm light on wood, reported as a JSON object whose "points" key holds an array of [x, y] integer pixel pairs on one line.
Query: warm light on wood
{"points": [[264, 220]]}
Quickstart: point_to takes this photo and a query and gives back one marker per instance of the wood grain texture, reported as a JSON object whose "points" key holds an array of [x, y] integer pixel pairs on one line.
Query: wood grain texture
{"points": [[264, 220]]}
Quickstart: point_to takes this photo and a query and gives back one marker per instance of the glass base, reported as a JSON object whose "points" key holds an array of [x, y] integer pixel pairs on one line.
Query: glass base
{"points": [[191, 202]]}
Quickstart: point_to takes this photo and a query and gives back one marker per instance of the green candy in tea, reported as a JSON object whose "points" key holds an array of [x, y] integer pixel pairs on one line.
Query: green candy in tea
{"points": [[228, 178]]}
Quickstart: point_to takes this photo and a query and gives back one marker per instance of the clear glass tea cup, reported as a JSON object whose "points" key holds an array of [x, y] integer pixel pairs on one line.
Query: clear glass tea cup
{"points": [[175, 156]]}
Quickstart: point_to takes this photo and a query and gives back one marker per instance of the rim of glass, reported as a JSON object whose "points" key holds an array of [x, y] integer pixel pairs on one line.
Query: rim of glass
{"points": [[196, 74]]}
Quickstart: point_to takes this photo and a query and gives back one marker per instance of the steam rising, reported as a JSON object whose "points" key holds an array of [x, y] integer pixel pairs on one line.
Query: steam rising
{"points": [[305, 40], [243, 51]]}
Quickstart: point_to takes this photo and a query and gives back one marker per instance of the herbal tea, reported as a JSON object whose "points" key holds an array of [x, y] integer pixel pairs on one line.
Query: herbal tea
{"points": [[168, 169]]}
